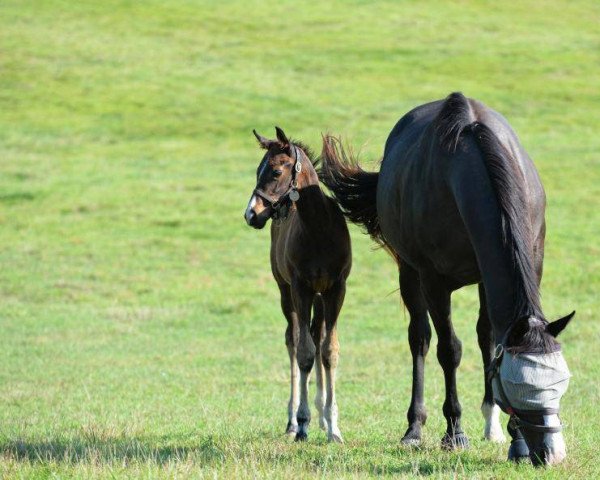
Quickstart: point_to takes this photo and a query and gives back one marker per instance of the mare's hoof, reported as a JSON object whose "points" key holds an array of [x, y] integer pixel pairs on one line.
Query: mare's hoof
{"points": [[301, 437], [518, 451], [495, 437], [412, 437], [456, 441], [335, 438]]}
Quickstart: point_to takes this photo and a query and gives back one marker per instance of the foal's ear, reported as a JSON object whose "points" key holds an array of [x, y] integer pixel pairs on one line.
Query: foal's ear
{"points": [[264, 142], [559, 325], [281, 137]]}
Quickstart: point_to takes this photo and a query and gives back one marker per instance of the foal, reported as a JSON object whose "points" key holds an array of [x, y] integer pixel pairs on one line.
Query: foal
{"points": [[310, 260]]}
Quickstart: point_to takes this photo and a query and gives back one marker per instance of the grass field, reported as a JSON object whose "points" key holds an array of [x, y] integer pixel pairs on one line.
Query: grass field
{"points": [[140, 331]]}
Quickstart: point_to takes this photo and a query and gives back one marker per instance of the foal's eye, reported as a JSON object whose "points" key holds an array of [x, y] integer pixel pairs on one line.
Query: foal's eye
{"points": [[277, 173]]}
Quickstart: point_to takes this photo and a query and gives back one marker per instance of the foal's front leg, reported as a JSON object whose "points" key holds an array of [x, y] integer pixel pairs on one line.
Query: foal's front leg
{"points": [[291, 342], [317, 329], [303, 300], [332, 300]]}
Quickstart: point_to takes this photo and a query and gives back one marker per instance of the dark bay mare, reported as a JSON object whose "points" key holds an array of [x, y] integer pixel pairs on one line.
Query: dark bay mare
{"points": [[310, 260], [458, 201]]}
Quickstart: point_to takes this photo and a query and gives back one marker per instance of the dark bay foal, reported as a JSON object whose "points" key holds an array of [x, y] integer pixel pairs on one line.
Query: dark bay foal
{"points": [[310, 260]]}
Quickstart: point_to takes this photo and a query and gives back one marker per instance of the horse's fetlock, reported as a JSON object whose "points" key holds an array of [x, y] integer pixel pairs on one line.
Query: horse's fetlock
{"points": [[417, 414]]}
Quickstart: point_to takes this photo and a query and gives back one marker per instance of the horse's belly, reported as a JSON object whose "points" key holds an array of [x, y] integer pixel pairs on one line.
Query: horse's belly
{"points": [[458, 265], [439, 246]]}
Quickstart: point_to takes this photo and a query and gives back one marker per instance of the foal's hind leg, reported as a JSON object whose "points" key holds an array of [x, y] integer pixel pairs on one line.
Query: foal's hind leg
{"points": [[449, 352], [485, 336], [291, 342], [317, 330], [332, 300], [419, 336], [303, 299]]}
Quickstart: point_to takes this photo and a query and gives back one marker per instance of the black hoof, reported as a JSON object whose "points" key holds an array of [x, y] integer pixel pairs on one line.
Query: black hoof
{"points": [[412, 437], [518, 451], [455, 441], [301, 437]]}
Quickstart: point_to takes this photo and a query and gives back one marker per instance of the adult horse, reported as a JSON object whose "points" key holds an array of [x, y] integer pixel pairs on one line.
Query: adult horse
{"points": [[458, 201], [310, 260]]}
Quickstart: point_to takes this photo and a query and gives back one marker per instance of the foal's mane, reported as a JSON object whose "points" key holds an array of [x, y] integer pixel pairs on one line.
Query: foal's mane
{"points": [[316, 161], [455, 120]]}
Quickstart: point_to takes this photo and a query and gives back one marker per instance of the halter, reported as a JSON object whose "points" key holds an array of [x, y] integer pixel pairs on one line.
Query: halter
{"points": [[516, 416], [281, 205]]}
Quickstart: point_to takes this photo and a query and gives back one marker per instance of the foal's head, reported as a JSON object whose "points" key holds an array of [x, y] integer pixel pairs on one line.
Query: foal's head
{"points": [[277, 179]]}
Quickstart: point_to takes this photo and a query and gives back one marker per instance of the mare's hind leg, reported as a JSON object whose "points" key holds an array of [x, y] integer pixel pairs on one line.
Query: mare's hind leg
{"points": [[419, 336], [449, 352], [485, 336], [317, 331], [303, 298], [332, 300], [291, 342]]}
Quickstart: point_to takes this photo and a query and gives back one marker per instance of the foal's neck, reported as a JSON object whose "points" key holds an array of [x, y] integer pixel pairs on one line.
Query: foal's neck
{"points": [[311, 206]]}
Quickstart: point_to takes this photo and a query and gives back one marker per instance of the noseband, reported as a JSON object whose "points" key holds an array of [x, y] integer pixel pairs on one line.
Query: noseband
{"points": [[516, 416], [281, 205]]}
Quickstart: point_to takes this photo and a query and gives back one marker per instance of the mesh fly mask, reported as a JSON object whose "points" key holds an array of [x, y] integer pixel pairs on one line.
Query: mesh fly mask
{"points": [[527, 383]]}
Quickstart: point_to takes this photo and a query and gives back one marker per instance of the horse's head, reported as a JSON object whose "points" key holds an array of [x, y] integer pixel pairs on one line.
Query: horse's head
{"points": [[276, 180], [530, 381]]}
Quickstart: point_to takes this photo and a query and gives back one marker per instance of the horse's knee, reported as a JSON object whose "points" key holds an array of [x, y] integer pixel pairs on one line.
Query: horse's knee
{"points": [[306, 356]]}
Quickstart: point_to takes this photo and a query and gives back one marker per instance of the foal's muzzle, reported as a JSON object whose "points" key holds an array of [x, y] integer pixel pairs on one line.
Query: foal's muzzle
{"points": [[254, 219]]}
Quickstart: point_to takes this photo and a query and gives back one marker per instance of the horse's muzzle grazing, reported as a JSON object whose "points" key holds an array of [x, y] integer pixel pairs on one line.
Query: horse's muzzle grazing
{"points": [[545, 448], [529, 388]]}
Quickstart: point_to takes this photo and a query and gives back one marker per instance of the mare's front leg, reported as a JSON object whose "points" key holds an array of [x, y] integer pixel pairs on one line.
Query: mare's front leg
{"points": [[303, 297], [332, 301], [419, 336], [449, 352], [291, 342], [485, 337]]}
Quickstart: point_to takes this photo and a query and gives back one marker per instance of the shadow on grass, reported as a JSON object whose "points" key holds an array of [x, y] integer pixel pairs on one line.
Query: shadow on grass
{"points": [[272, 453], [16, 197], [121, 449]]}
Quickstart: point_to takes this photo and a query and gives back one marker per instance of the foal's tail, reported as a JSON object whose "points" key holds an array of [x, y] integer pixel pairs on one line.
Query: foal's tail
{"points": [[354, 189]]}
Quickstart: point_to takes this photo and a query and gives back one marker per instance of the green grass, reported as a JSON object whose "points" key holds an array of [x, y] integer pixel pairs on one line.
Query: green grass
{"points": [[140, 329]]}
